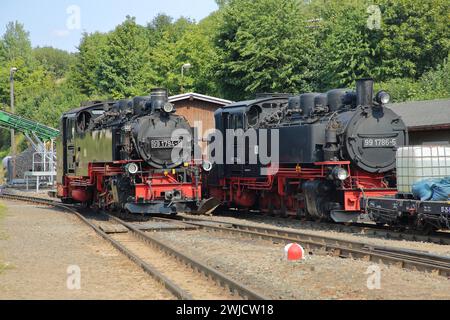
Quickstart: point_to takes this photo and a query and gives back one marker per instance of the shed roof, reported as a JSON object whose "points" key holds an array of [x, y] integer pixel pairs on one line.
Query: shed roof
{"points": [[430, 114], [198, 96]]}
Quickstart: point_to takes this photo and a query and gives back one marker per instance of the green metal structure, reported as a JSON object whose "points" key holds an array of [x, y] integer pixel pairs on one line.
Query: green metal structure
{"points": [[28, 127], [44, 157]]}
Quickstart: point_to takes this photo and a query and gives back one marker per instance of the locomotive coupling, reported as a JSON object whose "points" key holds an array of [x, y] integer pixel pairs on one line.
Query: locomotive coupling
{"points": [[173, 195]]}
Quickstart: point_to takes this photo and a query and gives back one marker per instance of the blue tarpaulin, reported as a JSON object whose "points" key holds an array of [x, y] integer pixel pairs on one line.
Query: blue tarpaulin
{"points": [[432, 189]]}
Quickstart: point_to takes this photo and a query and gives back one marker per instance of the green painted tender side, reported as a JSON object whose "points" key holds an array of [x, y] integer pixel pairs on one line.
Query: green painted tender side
{"points": [[91, 147]]}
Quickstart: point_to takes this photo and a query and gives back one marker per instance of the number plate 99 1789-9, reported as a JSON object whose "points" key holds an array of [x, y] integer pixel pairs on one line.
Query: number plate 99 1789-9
{"points": [[164, 143]]}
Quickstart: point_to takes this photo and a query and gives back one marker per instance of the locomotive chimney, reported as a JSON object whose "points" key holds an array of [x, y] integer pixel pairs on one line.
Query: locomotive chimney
{"points": [[364, 92], [158, 98]]}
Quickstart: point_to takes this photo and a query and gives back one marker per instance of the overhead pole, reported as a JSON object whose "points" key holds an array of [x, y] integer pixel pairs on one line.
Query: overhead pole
{"points": [[13, 140], [186, 66]]}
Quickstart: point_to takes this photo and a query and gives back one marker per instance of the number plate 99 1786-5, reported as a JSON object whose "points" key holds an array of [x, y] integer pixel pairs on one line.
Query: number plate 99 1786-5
{"points": [[380, 142]]}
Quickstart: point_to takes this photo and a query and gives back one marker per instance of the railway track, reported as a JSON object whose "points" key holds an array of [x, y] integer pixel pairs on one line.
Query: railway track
{"points": [[407, 259], [442, 238], [185, 277]]}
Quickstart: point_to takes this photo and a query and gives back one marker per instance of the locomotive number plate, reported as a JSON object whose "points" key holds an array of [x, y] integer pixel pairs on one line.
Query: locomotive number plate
{"points": [[380, 142], [164, 143]]}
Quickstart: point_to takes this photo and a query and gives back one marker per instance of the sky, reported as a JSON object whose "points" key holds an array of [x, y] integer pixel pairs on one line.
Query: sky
{"points": [[60, 23]]}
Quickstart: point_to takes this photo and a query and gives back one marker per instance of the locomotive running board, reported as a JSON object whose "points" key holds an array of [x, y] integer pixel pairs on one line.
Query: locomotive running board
{"points": [[345, 216], [207, 206]]}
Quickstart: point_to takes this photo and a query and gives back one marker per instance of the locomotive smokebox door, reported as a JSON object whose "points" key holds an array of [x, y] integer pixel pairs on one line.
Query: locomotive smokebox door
{"points": [[372, 138]]}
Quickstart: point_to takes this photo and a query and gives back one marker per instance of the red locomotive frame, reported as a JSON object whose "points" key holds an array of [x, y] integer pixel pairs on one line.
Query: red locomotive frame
{"points": [[242, 191], [152, 186]]}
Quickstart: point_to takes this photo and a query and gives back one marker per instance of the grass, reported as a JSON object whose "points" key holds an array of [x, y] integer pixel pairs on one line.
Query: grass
{"points": [[2, 172], [2, 211], [3, 266], [3, 236]]}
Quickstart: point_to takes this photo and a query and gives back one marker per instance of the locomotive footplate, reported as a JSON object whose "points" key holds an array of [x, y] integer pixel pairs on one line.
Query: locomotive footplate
{"points": [[435, 213]]}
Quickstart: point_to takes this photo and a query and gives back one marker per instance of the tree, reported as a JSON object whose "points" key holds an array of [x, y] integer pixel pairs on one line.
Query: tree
{"points": [[85, 70], [416, 37], [348, 48], [16, 43], [124, 70], [264, 46], [55, 61], [412, 37], [15, 48], [179, 44], [160, 24], [222, 3], [434, 84], [41, 93], [163, 28], [48, 104]]}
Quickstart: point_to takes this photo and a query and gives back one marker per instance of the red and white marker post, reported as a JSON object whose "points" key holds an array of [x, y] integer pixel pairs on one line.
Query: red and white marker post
{"points": [[294, 252]]}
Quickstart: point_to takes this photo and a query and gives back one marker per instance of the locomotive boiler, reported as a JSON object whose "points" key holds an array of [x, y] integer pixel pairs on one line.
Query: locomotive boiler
{"points": [[128, 155], [333, 148]]}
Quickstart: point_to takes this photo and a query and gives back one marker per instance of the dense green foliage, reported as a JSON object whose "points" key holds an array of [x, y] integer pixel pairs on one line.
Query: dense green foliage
{"points": [[41, 89], [55, 61], [264, 46], [243, 48], [412, 38]]}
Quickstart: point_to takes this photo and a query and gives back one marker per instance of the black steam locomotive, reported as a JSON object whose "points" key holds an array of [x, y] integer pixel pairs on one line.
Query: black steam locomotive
{"points": [[126, 155], [334, 149]]}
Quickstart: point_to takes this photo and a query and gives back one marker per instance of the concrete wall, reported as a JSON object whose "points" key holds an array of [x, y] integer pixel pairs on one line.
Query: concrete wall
{"points": [[438, 137]]}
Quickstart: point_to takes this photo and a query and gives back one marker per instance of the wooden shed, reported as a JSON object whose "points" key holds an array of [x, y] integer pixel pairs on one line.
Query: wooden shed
{"points": [[198, 108]]}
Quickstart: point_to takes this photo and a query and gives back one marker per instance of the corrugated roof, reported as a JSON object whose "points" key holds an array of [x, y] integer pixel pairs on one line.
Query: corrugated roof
{"points": [[417, 114], [198, 96]]}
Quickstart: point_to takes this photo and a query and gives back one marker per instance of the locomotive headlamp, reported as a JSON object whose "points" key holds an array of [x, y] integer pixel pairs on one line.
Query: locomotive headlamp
{"points": [[340, 173], [383, 97], [132, 168], [168, 107], [207, 166]]}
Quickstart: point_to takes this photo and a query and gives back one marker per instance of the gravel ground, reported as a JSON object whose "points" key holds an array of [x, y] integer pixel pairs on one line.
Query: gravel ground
{"points": [[296, 225], [42, 243], [260, 265]]}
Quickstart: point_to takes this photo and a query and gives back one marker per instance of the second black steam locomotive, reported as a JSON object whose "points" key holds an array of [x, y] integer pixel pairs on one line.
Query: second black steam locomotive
{"points": [[335, 148]]}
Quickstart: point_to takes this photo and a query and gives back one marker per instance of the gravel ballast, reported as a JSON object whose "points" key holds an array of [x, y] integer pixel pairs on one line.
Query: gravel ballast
{"points": [[297, 225], [260, 265]]}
